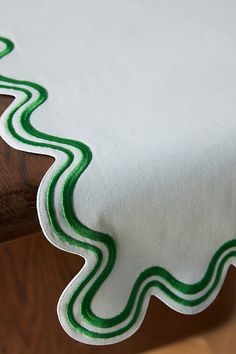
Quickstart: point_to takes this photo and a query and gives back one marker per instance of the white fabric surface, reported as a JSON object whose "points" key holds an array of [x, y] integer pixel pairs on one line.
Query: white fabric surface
{"points": [[150, 87]]}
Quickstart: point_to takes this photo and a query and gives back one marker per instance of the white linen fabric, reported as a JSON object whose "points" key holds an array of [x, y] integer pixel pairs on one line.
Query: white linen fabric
{"points": [[150, 88]]}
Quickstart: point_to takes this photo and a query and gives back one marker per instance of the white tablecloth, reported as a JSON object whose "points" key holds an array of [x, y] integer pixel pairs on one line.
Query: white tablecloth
{"points": [[136, 100]]}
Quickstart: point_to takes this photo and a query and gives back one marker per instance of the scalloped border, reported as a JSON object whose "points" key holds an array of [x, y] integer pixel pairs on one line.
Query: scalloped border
{"points": [[186, 298]]}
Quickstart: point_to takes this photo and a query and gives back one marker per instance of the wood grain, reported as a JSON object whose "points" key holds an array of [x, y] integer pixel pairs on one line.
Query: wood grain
{"points": [[20, 175], [190, 346], [33, 275]]}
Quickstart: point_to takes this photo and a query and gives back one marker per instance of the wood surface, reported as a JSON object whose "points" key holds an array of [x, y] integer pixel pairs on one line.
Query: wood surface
{"points": [[33, 275], [20, 175], [190, 346]]}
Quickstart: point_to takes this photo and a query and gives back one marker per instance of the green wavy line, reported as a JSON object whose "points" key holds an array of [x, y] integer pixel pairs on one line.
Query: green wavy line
{"points": [[9, 46], [86, 233]]}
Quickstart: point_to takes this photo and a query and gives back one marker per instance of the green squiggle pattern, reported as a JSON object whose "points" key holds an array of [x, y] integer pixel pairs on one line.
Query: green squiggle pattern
{"points": [[102, 268]]}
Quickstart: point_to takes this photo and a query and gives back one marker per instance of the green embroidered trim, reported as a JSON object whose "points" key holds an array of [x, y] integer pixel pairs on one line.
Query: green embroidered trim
{"points": [[213, 273], [8, 47]]}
